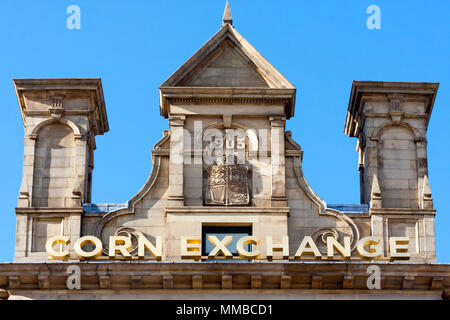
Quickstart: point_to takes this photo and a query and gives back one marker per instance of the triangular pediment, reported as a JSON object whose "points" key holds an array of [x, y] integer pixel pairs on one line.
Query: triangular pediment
{"points": [[227, 60], [227, 66]]}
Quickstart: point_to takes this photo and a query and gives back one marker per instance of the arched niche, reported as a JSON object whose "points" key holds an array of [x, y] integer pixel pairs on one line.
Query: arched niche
{"points": [[54, 166], [397, 167]]}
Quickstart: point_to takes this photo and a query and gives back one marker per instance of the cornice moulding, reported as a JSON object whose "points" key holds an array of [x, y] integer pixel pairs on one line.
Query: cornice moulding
{"points": [[362, 88], [63, 85], [226, 210]]}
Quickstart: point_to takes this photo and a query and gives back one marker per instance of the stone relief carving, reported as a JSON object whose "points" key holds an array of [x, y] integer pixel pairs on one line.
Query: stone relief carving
{"points": [[227, 185], [227, 180]]}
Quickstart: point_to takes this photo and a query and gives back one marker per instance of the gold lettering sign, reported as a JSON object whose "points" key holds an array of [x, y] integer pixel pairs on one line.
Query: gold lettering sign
{"points": [[119, 244], [155, 250], [283, 247], [191, 248], [55, 255], [220, 247], [398, 247], [332, 244], [254, 254], [86, 255], [369, 248], [308, 247], [374, 248]]}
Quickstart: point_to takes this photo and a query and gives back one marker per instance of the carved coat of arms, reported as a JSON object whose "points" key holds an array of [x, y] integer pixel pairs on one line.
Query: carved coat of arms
{"points": [[227, 185]]}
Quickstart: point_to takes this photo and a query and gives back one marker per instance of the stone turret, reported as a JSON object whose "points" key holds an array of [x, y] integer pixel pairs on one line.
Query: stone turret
{"points": [[61, 118], [390, 120]]}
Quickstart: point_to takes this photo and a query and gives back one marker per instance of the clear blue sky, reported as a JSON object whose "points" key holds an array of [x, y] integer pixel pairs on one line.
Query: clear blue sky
{"points": [[320, 46]]}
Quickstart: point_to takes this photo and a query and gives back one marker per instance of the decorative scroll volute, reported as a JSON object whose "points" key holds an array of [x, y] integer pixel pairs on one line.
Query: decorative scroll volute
{"points": [[227, 185]]}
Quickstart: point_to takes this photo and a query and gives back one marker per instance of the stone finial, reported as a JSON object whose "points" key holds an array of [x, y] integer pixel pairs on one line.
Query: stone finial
{"points": [[375, 194], [227, 18], [426, 200]]}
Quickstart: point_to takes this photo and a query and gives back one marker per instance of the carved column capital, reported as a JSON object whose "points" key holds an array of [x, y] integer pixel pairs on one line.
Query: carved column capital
{"points": [[176, 120], [278, 121]]}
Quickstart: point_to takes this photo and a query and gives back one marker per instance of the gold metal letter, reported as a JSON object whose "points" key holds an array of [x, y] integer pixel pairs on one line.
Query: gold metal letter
{"points": [[310, 250], [398, 246], [121, 244], [156, 251], [85, 255], [220, 247], [254, 254], [271, 247], [332, 244], [191, 248], [374, 248], [54, 255]]}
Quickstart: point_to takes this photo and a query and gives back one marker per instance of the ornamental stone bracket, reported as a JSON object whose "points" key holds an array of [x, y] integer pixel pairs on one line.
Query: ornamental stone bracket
{"points": [[56, 111], [395, 110]]}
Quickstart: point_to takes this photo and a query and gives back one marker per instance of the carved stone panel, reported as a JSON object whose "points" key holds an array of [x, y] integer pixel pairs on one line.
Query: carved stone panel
{"points": [[227, 185]]}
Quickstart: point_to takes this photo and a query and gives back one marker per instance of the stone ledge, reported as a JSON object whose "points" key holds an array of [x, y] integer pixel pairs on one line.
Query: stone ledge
{"points": [[61, 210], [227, 210], [401, 211]]}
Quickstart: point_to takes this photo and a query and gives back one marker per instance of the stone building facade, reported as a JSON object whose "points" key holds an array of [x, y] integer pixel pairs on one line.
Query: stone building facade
{"points": [[227, 162]]}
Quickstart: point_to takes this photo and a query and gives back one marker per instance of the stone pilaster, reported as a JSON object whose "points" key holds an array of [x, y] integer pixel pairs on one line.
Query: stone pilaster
{"points": [[81, 170], [25, 192], [176, 166], [277, 155]]}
